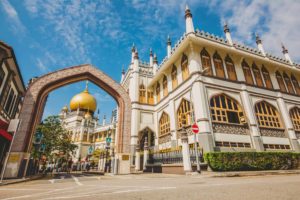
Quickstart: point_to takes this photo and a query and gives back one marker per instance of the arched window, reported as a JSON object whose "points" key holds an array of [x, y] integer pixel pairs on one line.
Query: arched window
{"points": [[295, 116], [142, 94], [247, 73], [184, 67], [157, 93], [218, 62], [296, 84], [257, 76], [165, 86], [184, 114], [150, 97], [288, 83], [280, 82], [206, 63], [174, 77], [267, 78], [164, 124], [226, 110], [230, 69], [267, 115]]}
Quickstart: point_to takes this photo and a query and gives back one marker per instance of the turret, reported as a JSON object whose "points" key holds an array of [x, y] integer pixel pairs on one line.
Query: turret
{"points": [[155, 64], [169, 47], [132, 52], [104, 120], [123, 74], [189, 26], [136, 60], [286, 54], [227, 34], [151, 58], [259, 45]]}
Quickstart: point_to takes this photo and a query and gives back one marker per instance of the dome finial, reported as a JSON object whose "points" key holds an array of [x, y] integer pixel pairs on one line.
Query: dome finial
{"points": [[86, 86]]}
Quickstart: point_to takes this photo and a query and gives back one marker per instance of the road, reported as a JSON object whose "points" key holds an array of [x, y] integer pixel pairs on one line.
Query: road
{"points": [[155, 186]]}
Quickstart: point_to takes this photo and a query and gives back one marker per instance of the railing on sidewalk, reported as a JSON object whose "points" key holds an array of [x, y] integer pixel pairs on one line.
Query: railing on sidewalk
{"points": [[167, 156]]}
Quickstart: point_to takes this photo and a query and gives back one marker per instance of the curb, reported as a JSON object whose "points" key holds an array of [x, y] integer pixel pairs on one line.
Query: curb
{"points": [[23, 180], [255, 173]]}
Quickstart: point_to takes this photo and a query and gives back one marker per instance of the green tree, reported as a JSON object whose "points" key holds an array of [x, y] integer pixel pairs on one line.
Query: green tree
{"points": [[55, 139]]}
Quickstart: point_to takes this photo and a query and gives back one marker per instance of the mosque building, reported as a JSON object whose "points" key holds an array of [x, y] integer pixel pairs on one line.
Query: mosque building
{"points": [[241, 98], [82, 122]]}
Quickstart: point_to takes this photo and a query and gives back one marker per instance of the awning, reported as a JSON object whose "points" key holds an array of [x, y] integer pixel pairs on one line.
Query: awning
{"points": [[3, 125], [5, 134]]}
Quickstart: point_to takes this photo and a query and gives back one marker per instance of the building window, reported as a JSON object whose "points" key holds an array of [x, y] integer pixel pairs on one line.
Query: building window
{"points": [[184, 67], [206, 63], [295, 116], [226, 110], [230, 69], [267, 78], [247, 73], [232, 144], [9, 101], [150, 97], [184, 114], [288, 83], [142, 94], [280, 82], [296, 84], [164, 124], [218, 62], [174, 77], [267, 115], [2, 75], [257, 76], [276, 146], [157, 93], [165, 86]]}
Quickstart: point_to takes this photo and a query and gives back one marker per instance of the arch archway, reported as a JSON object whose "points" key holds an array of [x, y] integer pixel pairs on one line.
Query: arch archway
{"points": [[36, 95]]}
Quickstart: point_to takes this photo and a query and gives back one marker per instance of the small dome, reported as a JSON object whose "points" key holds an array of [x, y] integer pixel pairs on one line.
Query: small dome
{"points": [[83, 100], [88, 116], [65, 109]]}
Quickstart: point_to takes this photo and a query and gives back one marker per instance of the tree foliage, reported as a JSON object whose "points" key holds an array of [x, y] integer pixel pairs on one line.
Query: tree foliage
{"points": [[55, 138]]}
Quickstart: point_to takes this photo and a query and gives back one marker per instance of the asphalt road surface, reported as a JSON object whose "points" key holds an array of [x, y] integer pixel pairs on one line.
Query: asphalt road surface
{"points": [[155, 186]]}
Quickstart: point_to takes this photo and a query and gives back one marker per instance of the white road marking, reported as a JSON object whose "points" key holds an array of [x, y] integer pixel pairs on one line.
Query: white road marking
{"points": [[76, 180], [52, 181]]}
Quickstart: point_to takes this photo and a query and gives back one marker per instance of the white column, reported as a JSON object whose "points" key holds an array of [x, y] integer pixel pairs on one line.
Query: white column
{"points": [[194, 60], [187, 167], [169, 48], [288, 124], [200, 106], [227, 34], [137, 159], [250, 114], [189, 26], [146, 153], [172, 114]]}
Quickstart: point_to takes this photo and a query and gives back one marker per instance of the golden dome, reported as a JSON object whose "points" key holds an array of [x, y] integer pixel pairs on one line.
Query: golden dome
{"points": [[83, 100]]}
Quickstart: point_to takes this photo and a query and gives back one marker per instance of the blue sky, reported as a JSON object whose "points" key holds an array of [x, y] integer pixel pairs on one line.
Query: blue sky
{"points": [[48, 35]]}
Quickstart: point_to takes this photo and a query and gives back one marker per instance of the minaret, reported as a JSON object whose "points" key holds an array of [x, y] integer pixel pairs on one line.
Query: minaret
{"points": [[169, 48], [259, 45], [286, 54], [123, 74], [189, 26], [151, 58], [136, 60], [227, 34], [132, 53], [155, 64], [104, 120]]}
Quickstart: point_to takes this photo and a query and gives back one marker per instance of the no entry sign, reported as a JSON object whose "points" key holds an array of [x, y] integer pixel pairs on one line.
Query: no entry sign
{"points": [[195, 128]]}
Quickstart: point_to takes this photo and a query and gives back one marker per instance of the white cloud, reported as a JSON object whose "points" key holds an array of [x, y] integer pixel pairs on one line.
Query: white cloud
{"points": [[13, 16], [275, 21], [41, 65]]}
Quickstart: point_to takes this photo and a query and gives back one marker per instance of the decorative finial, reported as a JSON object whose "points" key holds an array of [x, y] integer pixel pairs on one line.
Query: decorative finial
{"points": [[187, 12], [155, 58], [133, 48], [226, 28], [136, 55], [169, 40], [284, 50], [123, 70], [151, 53], [86, 86], [258, 40]]}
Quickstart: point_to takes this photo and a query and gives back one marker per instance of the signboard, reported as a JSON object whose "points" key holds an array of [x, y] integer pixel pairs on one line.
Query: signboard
{"points": [[14, 158], [195, 128], [108, 140], [13, 125], [125, 157]]}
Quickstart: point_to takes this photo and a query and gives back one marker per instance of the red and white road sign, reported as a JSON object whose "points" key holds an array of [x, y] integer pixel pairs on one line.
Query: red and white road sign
{"points": [[195, 128]]}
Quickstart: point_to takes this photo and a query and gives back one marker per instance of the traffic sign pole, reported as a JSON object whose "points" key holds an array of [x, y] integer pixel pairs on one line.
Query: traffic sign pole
{"points": [[195, 130]]}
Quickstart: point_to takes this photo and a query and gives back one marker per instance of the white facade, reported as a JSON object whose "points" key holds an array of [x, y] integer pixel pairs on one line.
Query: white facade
{"points": [[262, 119]]}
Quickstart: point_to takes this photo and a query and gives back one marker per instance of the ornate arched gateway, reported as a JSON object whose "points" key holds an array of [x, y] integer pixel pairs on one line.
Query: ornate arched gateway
{"points": [[34, 102]]}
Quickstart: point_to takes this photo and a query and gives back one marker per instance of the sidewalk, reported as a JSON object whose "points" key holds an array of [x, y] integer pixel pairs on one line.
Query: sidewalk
{"points": [[20, 180]]}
